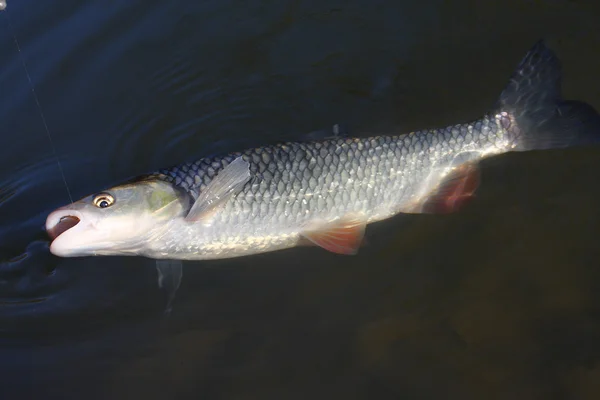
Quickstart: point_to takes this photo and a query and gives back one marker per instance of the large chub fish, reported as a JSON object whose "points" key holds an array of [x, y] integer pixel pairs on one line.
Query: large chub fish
{"points": [[319, 192]]}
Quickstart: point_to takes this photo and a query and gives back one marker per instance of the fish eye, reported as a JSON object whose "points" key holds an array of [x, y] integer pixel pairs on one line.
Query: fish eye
{"points": [[103, 200]]}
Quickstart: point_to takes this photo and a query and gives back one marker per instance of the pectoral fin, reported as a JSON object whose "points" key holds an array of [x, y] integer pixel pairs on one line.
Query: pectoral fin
{"points": [[228, 182], [169, 278], [343, 236]]}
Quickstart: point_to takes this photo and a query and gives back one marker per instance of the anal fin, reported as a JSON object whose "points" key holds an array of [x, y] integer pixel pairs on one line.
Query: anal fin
{"points": [[454, 192], [343, 236]]}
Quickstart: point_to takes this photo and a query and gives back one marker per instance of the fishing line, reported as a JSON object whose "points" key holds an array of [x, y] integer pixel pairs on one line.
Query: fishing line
{"points": [[37, 101]]}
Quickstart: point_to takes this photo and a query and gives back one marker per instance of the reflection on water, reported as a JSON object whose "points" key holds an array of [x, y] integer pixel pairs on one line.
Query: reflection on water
{"points": [[500, 301]]}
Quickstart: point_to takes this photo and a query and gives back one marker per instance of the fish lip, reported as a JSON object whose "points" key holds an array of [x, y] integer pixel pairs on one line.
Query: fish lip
{"points": [[64, 224], [55, 217], [53, 220]]}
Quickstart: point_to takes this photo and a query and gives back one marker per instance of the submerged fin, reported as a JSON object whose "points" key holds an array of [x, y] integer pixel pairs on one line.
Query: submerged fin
{"points": [[169, 278], [343, 236], [535, 114], [228, 182], [454, 192], [448, 187], [337, 131]]}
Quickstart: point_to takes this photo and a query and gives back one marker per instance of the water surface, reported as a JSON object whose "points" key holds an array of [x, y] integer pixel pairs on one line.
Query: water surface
{"points": [[500, 301]]}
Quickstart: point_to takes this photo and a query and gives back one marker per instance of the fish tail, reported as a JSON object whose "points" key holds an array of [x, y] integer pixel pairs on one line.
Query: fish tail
{"points": [[537, 115]]}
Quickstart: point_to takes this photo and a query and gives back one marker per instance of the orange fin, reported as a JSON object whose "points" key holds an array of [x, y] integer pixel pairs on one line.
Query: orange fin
{"points": [[343, 236], [456, 190]]}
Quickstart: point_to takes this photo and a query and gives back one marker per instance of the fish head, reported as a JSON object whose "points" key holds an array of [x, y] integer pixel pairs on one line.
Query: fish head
{"points": [[117, 221]]}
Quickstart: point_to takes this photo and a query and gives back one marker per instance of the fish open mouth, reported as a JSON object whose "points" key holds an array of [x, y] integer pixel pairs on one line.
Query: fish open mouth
{"points": [[64, 224]]}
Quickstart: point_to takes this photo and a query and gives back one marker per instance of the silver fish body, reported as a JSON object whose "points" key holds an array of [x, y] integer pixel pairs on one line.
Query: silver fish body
{"points": [[296, 185], [321, 192]]}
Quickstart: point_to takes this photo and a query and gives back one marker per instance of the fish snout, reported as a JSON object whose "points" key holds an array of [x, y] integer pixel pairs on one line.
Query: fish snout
{"points": [[61, 221]]}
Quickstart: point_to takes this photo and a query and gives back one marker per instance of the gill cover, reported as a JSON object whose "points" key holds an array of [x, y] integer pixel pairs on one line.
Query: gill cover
{"points": [[122, 226]]}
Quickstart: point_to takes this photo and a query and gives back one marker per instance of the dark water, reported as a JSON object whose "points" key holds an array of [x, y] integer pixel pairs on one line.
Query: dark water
{"points": [[501, 301]]}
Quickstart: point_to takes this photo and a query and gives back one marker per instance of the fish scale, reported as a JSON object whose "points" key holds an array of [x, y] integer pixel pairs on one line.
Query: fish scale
{"points": [[295, 184], [323, 192]]}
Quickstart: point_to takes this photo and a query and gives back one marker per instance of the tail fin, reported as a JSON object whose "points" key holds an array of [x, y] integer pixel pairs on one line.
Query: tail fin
{"points": [[543, 119]]}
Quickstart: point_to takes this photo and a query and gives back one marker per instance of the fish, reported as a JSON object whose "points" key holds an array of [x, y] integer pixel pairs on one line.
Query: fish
{"points": [[320, 192]]}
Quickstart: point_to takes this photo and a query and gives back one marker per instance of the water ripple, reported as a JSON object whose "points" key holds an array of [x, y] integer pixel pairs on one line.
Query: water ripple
{"points": [[34, 284]]}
